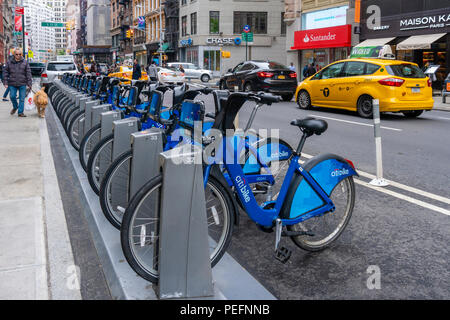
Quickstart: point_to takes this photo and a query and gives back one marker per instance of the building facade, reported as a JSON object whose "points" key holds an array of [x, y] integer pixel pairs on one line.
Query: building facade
{"points": [[417, 31], [207, 27], [2, 34], [73, 24], [121, 12], [319, 32], [98, 36], [141, 10], [59, 9], [7, 36], [40, 40]]}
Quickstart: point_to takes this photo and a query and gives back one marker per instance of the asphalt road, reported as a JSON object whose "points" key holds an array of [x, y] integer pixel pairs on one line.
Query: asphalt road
{"points": [[392, 229]]}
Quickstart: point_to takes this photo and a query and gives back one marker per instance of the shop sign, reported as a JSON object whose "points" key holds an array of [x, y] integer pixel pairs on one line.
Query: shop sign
{"points": [[383, 19], [223, 41], [323, 38], [325, 18], [186, 43], [434, 21], [365, 52]]}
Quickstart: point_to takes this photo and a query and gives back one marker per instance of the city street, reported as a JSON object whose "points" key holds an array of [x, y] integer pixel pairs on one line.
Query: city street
{"points": [[103, 194]]}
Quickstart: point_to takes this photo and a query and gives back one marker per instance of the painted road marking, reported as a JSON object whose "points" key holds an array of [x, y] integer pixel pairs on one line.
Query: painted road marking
{"points": [[403, 197], [405, 188], [354, 122]]}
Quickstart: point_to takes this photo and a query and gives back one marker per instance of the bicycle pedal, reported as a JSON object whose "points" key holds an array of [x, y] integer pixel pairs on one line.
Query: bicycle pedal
{"points": [[283, 254]]}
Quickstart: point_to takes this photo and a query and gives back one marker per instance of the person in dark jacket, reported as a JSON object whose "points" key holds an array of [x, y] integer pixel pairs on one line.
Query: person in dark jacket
{"points": [[17, 77], [5, 94], [137, 73], [311, 70]]}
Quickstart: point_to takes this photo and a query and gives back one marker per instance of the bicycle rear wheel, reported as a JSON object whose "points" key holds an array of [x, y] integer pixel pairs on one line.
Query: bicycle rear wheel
{"points": [[140, 226], [73, 131], [89, 141], [99, 161], [116, 181], [329, 226]]}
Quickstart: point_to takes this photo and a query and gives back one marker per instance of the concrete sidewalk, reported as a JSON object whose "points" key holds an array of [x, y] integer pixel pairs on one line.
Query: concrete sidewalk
{"points": [[36, 260], [439, 105]]}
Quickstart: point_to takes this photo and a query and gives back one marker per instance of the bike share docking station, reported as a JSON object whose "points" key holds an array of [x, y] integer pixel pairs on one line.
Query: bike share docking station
{"points": [[183, 247]]}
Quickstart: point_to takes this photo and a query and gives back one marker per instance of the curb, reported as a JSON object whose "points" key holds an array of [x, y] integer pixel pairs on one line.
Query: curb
{"points": [[63, 278]]}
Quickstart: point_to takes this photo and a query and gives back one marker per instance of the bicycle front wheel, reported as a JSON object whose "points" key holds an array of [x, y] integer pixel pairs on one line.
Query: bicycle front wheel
{"points": [[329, 226], [140, 226]]}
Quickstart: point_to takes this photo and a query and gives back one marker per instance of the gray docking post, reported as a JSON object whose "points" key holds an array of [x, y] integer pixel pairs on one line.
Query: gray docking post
{"points": [[183, 254]]}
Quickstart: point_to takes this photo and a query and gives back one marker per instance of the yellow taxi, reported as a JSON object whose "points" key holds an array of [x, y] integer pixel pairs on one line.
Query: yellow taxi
{"points": [[352, 84], [126, 73]]}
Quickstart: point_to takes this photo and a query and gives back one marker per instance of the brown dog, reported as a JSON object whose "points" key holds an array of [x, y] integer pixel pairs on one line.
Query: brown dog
{"points": [[41, 100]]}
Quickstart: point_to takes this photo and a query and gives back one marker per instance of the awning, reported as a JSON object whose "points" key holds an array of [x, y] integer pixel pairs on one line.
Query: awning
{"points": [[375, 42], [419, 42]]}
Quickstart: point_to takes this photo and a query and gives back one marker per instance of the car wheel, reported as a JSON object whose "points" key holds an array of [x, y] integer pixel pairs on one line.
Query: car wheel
{"points": [[365, 108], [205, 78], [412, 114], [287, 97], [248, 87], [304, 100]]}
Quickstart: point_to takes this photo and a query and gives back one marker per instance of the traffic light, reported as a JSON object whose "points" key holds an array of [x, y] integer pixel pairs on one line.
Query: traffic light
{"points": [[128, 33], [226, 54], [132, 33]]}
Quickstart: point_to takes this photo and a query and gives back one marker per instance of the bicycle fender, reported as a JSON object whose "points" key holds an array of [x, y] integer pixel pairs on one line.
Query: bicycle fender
{"points": [[327, 170]]}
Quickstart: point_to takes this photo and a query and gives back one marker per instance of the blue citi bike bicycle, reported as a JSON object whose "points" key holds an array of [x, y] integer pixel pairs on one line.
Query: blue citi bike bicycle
{"points": [[313, 206]]}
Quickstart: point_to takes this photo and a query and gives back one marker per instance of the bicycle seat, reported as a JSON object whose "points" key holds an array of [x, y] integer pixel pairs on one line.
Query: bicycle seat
{"points": [[311, 125]]}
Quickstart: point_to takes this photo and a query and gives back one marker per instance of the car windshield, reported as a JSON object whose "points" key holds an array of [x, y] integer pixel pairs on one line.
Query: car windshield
{"points": [[61, 67], [270, 65], [36, 64], [407, 70]]}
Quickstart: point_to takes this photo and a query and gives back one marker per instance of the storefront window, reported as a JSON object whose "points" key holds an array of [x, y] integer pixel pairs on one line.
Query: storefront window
{"points": [[192, 55], [211, 60]]}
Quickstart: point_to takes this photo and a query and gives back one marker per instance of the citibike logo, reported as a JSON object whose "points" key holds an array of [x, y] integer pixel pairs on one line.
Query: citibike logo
{"points": [[339, 172], [243, 188]]}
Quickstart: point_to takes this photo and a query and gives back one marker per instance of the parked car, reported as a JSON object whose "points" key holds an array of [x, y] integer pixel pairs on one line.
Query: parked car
{"points": [[352, 84], [37, 68], [257, 75], [55, 70], [170, 75], [191, 71]]}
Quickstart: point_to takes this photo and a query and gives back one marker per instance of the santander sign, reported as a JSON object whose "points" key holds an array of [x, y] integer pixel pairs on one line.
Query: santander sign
{"points": [[333, 37]]}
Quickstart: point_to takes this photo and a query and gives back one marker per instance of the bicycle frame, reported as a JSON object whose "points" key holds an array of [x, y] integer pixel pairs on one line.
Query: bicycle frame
{"points": [[267, 217]]}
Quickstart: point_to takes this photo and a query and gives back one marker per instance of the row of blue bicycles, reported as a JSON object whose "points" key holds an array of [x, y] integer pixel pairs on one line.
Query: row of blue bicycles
{"points": [[310, 203]]}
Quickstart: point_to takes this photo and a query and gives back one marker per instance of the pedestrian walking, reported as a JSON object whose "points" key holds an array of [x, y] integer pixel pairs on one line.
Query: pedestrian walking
{"points": [[292, 67], [137, 73], [153, 72], [5, 94], [17, 77], [305, 71]]}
